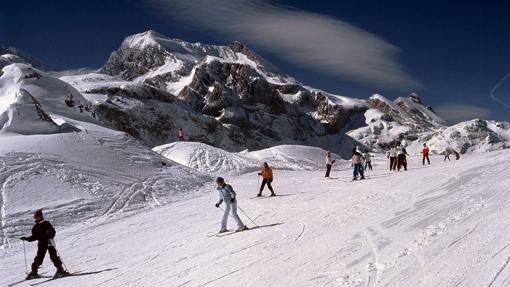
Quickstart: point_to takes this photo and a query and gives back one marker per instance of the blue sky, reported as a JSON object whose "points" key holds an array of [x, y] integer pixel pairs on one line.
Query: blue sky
{"points": [[452, 53]]}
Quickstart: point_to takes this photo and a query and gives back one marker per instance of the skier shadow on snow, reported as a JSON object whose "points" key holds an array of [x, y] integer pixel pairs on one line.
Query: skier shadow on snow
{"points": [[267, 225]]}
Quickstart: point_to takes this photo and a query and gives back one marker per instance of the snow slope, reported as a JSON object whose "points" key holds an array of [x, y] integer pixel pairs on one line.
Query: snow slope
{"points": [[212, 160], [444, 225], [33, 103], [206, 158], [84, 176]]}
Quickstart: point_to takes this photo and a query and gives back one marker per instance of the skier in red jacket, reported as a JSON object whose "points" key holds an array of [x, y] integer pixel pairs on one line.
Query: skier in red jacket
{"points": [[425, 153]]}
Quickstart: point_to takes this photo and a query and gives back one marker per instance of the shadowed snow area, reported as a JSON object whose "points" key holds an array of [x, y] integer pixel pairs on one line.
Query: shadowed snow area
{"points": [[443, 225]]}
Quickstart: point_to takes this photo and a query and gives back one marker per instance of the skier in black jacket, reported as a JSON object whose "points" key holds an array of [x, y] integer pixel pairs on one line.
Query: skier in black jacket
{"points": [[44, 233]]}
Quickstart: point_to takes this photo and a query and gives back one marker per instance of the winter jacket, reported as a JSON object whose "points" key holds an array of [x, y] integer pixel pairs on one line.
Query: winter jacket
{"points": [[425, 151], [356, 158], [266, 172], [393, 152], [367, 157], [329, 160], [42, 231], [181, 133], [227, 193]]}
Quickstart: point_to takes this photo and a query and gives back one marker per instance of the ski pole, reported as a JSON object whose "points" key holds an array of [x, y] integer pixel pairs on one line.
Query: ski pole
{"points": [[247, 216], [25, 255]]}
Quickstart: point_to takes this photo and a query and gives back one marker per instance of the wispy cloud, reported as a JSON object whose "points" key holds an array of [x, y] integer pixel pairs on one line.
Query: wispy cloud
{"points": [[313, 41], [496, 87], [455, 113]]}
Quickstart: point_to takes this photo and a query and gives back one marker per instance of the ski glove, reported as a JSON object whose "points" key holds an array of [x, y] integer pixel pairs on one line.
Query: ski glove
{"points": [[260, 173], [24, 238], [217, 205], [233, 200]]}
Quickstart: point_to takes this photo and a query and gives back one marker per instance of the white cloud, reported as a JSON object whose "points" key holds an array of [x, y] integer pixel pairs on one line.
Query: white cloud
{"points": [[313, 41], [455, 113], [496, 87]]}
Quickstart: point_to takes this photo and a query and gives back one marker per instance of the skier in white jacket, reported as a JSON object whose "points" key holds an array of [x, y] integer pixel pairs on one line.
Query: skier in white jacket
{"points": [[228, 195]]}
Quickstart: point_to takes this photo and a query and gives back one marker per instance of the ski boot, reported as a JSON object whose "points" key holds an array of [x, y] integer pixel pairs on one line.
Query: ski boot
{"points": [[273, 194], [242, 228], [260, 194], [32, 275], [61, 272]]}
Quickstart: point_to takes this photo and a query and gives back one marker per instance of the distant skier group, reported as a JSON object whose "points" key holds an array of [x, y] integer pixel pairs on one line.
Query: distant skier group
{"points": [[397, 156]]}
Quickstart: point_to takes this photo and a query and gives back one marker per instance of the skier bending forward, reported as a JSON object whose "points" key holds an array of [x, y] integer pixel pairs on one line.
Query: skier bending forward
{"points": [[228, 195], [44, 233]]}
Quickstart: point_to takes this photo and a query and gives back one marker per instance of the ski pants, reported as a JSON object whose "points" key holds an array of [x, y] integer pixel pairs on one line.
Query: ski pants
{"points": [[328, 170], [358, 169], [426, 156], [268, 182], [368, 165], [447, 157], [230, 208], [393, 162], [41, 253]]}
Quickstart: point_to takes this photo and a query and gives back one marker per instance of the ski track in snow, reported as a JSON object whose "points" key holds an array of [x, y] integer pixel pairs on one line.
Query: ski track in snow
{"points": [[443, 225]]}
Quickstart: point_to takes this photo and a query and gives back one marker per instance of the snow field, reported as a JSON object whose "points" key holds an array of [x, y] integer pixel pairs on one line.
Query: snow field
{"points": [[443, 225]]}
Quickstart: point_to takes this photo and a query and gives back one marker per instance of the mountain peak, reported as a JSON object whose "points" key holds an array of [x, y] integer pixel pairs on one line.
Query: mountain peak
{"points": [[142, 40]]}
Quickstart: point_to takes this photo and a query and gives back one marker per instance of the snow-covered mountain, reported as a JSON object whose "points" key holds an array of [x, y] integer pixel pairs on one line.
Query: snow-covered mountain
{"points": [[33, 103], [231, 98], [243, 100], [9, 55]]}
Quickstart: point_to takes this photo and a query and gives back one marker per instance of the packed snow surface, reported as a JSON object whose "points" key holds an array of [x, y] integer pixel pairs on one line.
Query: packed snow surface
{"points": [[442, 225]]}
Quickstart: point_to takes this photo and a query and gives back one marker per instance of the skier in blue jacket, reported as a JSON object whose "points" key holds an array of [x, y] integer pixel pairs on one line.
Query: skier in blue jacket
{"points": [[228, 195]]}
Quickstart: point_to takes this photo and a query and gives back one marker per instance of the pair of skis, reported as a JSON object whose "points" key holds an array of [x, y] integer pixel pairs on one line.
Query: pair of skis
{"points": [[50, 278], [230, 232]]}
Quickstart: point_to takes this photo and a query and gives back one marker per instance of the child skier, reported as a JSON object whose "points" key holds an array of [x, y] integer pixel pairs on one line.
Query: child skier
{"points": [[357, 165], [228, 195], [425, 153], [43, 232], [329, 163], [267, 178]]}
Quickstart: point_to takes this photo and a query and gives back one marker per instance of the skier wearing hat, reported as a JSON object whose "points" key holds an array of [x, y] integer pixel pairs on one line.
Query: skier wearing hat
{"points": [[43, 232], [228, 195]]}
